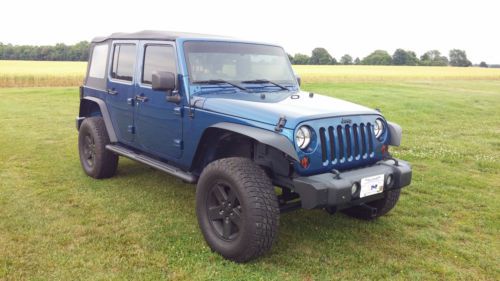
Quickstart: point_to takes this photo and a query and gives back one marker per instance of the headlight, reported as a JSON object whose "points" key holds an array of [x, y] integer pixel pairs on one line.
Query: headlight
{"points": [[379, 128], [303, 137]]}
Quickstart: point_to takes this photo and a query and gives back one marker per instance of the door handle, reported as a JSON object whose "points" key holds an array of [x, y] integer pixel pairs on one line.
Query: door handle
{"points": [[112, 91], [141, 98]]}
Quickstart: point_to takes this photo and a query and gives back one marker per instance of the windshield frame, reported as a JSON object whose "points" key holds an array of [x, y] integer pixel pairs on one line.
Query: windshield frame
{"points": [[294, 82]]}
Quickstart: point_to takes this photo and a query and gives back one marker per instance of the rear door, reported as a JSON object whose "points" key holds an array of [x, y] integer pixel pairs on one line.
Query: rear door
{"points": [[120, 98], [158, 122]]}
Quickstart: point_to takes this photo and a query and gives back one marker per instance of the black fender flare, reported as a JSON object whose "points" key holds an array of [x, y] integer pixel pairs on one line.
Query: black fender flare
{"points": [[273, 139], [396, 133], [105, 116]]}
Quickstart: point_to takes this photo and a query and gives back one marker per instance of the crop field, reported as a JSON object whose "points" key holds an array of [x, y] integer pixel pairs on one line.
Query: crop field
{"points": [[58, 224], [49, 74]]}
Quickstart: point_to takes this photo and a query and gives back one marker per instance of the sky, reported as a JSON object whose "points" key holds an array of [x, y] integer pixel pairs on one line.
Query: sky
{"points": [[352, 27]]}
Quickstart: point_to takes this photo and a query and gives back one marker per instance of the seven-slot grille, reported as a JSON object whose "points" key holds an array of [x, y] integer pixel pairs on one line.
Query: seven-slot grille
{"points": [[346, 143]]}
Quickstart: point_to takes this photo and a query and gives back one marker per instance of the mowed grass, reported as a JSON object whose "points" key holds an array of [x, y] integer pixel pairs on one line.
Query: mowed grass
{"points": [[48, 73], [58, 224]]}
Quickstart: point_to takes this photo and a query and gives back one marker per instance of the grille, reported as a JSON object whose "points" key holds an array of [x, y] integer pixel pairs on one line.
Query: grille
{"points": [[346, 143]]}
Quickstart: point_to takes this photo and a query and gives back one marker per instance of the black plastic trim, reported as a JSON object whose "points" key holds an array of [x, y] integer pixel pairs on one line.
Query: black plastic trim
{"points": [[326, 190], [105, 116], [171, 170], [273, 139]]}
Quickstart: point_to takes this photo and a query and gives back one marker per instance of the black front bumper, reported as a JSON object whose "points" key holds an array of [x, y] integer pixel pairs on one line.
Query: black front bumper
{"points": [[332, 189]]}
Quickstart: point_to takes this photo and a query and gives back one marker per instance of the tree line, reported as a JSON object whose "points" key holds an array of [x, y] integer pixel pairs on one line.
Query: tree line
{"points": [[320, 56], [58, 52]]}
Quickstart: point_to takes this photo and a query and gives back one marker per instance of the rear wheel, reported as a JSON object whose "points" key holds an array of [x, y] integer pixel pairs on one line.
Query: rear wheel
{"points": [[96, 160], [237, 209], [377, 208]]}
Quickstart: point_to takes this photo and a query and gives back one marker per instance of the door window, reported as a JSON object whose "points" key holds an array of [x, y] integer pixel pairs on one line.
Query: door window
{"points": [[124, 56], [157, 58]]}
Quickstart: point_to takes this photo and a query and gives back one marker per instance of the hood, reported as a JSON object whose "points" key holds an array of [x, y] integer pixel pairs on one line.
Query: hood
{"points": [[296, 107]]}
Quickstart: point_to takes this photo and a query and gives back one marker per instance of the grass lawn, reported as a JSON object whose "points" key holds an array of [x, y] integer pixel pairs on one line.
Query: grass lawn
{"points": [[58, 224]]}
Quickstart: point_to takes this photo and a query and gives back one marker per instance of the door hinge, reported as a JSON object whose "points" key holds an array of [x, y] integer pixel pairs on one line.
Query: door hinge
{"points": [[178, 110], [131, 129]]}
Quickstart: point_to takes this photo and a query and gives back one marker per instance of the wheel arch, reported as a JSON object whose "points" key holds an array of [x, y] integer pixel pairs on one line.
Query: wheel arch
{"points": [[214, 143], [92, 106]]}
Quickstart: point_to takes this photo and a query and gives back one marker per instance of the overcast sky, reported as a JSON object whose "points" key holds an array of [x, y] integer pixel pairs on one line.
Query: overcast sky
{"points": [[355, 27]]}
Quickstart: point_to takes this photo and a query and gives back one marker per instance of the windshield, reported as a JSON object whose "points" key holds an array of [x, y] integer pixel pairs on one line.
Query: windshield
{"points": [[237, 62]]}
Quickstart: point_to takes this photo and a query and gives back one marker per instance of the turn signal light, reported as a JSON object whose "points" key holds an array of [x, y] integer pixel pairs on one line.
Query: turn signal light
{"points": [[304, 162], [384, 149]]}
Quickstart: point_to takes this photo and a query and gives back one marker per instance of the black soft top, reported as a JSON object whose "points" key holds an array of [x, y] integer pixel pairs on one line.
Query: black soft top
{"points": [[153, 35]]}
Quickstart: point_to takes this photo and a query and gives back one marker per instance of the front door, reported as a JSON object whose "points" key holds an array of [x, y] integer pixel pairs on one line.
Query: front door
{"points": [[158, 122], [121, 90]]}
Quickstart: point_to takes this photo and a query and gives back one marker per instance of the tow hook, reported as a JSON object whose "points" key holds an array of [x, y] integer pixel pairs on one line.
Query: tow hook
{"points": [[363, 211]]}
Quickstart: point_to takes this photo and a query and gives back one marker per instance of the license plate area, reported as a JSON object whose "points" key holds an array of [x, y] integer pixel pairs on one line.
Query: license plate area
{"points": [[371, 185]]}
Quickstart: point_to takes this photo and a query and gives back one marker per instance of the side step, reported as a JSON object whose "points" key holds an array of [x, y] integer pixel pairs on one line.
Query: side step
{"points": [[169, 169]]}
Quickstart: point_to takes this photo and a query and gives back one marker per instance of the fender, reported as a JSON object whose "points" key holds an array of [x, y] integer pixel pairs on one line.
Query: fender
{"points": [[396, 133], [273, 139], [105, 116]]}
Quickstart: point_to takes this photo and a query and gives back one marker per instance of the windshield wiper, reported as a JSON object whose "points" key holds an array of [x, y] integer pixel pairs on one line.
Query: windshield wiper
{"points": [[265, 81], [219, 81]]}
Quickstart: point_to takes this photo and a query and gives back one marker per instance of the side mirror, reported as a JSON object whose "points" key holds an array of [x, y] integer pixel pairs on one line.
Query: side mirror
{"points": [[299, 80], [163, 81]]}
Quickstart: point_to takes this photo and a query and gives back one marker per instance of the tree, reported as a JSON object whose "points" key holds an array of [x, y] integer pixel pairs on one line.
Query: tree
{"points": [[301, 59], [412, 58], [320, 56], [402, 57], [378, 57], [433, 58], [290, 58], [334, 61], [483, 64], [459, 58], [346, 59], [357, 61]]}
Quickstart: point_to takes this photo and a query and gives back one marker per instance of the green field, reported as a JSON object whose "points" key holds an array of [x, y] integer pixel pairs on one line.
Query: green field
{"points": [[58, 224]]}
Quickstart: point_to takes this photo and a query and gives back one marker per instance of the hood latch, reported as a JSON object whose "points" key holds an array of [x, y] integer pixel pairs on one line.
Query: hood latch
{"points": [[281, 124]]}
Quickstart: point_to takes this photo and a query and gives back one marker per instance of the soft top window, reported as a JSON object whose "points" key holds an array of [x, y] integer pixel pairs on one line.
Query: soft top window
{"points": [[98, 61]]}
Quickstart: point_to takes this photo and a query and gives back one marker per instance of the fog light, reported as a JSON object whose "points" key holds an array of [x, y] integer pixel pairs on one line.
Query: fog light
{"points": [[388, 180], [354, 188]]}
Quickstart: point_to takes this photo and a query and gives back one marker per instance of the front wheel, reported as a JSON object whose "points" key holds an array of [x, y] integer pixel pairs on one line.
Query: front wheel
{"points": [[237, 209]]}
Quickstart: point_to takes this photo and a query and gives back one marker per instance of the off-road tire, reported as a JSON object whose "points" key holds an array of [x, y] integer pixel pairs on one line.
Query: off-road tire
{"points": [[258, 213], [96, 160], [383, 206]]}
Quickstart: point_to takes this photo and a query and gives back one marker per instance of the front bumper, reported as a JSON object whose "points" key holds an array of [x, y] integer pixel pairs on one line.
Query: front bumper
{"points": [[332, 189]]}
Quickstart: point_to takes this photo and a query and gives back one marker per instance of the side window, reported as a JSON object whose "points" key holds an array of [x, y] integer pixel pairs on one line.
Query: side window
{"points": [[123, 62], [157, 58], [98, 61]]}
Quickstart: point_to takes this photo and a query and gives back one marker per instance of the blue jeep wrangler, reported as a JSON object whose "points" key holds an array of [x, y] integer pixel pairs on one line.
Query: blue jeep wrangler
{"points": [[229, 116]]}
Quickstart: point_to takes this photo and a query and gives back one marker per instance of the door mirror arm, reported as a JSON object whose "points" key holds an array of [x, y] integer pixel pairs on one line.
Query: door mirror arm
{"points": [[173, 96]]}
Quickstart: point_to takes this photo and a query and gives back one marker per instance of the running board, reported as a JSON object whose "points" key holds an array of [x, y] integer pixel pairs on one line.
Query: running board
{"points": [[169, 169]]}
